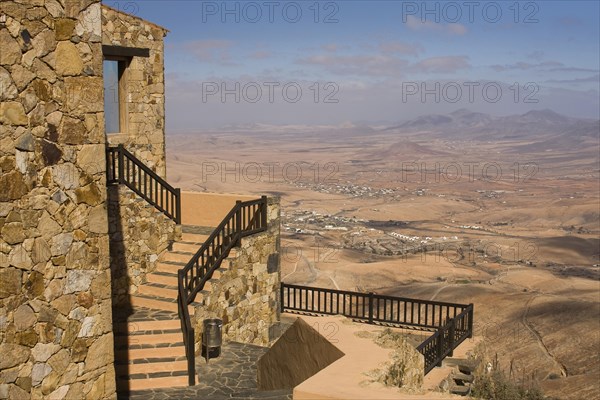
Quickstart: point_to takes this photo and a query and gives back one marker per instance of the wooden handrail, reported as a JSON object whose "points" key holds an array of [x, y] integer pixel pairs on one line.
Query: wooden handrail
{"points": [[244, 219], [443, 342], [452, 324], [125, 168]]}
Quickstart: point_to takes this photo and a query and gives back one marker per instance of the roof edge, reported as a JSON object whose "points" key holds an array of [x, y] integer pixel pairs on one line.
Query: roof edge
{"points": [[165, 30]]}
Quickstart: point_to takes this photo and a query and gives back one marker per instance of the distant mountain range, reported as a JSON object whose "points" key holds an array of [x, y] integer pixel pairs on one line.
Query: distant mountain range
{"points": [[537, 130], [466, 124]]}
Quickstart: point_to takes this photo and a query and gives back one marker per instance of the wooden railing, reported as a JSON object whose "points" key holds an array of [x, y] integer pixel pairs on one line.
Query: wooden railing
{"points": [[452, 323], [244, 219], [124, 168], [448, 337]]}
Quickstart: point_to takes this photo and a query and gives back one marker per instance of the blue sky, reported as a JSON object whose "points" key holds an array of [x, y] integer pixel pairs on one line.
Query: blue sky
{"points": [[372, 61]]}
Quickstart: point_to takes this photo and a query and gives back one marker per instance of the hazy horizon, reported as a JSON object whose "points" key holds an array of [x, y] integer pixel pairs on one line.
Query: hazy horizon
{"points": [[348, 125]]}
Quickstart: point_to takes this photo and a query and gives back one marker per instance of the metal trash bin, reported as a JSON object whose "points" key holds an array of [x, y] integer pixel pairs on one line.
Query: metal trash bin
{"points": [[212, 337]]}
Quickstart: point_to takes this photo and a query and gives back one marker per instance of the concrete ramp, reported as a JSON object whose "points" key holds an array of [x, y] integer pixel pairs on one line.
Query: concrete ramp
{"points": [[297, 355]]}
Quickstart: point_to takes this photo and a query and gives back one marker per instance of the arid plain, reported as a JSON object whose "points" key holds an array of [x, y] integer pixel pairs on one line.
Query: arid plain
{"points": [[502, 212]]}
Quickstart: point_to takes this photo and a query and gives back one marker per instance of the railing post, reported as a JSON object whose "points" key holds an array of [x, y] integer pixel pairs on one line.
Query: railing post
{"points": [[370, 307], [191, 359], [263, 215], [109, 174], [238, 222], [451, 337], [470, 321], [440, 346], [281, 291], [120, 165], [178, 206]]}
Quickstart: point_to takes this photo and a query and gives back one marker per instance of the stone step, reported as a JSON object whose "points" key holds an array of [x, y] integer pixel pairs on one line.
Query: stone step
{"points": [[150, 367], [462, 364], [207, 286], [138, 326], [201, 295], [460, 390], [149, 353], [153, 339], [462, 377], [185, 257], [217, 274], [177, 257], [154, 382], [142, 300], [170, 279], [164, 292], [149, 360], [163, 278], [170, 267], [189, 247], [193, 237]]}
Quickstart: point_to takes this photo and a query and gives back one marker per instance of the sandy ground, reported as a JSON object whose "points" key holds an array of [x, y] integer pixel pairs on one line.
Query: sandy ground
{"points": [[347, 379], [536, 290]]}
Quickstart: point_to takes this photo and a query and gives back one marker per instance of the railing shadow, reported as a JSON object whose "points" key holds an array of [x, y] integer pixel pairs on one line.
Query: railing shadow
{"points": [[121, 302], [123, 168]]}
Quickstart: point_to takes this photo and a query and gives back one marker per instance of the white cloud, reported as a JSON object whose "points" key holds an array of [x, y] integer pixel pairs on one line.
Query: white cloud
{"points": [[457, 29], [260, 54], [416, 24], [536, 55], [521, 65], [593, 78], [442, 64], [210, 50], [366, 65], [397, 47], [572, 69], [330, 47]]}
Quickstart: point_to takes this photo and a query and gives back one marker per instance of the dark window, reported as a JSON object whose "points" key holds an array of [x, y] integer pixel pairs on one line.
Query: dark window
{"points": [[115, 95]]}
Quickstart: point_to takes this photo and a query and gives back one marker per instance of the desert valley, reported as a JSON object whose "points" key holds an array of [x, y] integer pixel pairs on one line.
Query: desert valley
{"points": [[502, 212]]}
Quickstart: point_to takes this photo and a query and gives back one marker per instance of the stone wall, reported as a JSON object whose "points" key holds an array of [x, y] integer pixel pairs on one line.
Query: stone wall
{"points": [[56, 336], [246, 295], [139, 234], [145, 136]]}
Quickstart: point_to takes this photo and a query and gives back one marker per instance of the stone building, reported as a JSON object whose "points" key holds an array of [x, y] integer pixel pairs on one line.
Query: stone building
{"points": [[55, 316], [80, 250]]}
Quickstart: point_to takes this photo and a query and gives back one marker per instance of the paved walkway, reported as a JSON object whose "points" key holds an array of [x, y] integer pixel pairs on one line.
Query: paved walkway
{"points": [[230, 376]]}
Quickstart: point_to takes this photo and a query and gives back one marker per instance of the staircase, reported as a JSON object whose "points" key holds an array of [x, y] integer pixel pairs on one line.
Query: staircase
{"points": [[149, 349], [154, 336]]}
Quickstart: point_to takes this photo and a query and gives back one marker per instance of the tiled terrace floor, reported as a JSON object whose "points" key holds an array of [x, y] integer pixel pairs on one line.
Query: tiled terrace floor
{"points": [[230, 376]]}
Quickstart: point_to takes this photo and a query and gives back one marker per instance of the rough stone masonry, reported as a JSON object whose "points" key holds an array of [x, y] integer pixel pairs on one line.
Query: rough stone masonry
{"points": [[56, 335], [55, 269], [245, 296]]}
